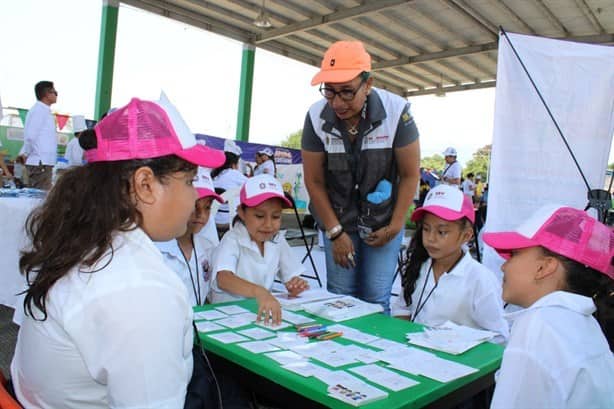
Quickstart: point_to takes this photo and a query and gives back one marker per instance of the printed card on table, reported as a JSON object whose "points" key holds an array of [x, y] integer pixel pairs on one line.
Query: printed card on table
{"points": [[228, 337], [232, 309], [258, 347], [206, 326], [209, 315], [257, 333]]}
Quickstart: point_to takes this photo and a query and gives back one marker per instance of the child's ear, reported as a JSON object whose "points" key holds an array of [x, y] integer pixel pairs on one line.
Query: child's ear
{"points": [[548, 266], [467, 233], [144, 185]]}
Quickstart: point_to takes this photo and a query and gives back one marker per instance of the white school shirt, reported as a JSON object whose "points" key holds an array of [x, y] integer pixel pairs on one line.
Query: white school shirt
{"points": [[265, 167], [557, 357], [240, 255], [228, 179], [120, 337], [174, 259], [40, 142], [469, 294], [74, 153]]}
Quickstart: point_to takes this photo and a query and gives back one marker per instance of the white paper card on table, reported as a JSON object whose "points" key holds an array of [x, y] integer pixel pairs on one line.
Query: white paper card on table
{"points": [[307, 296], [228, 337], [364, 355], [209, 315], [258, 347], [207, 326], [384, 377], [353, 334], [436, 368], [335, 359], [295, 318], [334, 377], [450, 337], [304, 368], [285, 357], [356, 394], [387, 345], [271, 326], [288, 340], [312, 349], [238, 320], [232, 309], [257, 333], [341, 309]]}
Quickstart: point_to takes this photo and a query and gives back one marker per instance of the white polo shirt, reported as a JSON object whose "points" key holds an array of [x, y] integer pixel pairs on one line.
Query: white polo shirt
{"points": [[40, 141], [468, 187], [240, 255], [120, 337], [228, 179], [557, 357], [452, 171], [265, 167], [469, 294], [198, 275], [74, 153]]}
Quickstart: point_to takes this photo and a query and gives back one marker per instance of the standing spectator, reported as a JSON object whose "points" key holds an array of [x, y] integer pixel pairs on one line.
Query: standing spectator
{"points": [[74, 152], [265, 162], [451, 174], [469, 186], [361, 158], [227, 178], [19, 168], [479, 189], [5, 170], [40, 142]]}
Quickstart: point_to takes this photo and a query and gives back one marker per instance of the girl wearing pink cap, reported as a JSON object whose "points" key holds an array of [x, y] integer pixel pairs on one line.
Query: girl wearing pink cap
{"points": [[442, 282], [105, 316], [252, 254], [559, 268]]}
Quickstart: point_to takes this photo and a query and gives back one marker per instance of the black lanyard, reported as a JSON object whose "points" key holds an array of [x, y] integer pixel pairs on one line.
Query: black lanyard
{"points": [[420, 306], [187, 263]]}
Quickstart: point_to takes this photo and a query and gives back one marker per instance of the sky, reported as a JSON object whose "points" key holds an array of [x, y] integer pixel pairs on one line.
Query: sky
{"points": [[198, 70]]}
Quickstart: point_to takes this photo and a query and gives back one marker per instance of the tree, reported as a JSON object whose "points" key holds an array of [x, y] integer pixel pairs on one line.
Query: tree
{"points": [[293, 140], [435, 162], [480, 162]]}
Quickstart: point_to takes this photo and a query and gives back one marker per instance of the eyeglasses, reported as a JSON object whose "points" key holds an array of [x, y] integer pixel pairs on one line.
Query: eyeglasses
{"points": [[345, 94]]}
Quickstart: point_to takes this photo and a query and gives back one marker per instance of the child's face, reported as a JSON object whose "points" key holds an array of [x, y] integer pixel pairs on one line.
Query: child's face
{"points": [[200, 215], [443, 238], [171, 207], [262, 221], [519, 272]]}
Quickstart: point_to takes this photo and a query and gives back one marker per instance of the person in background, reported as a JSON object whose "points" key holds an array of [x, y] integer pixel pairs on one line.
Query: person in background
{"points": [[40, 141], [5, 170], [479, 190], [104, 314], [227, 178], [361, 160], [265, 162], [252, 254], [441, 282], [559, 269], [19, 170], [451, 174], [74, 152], [468, 186]]}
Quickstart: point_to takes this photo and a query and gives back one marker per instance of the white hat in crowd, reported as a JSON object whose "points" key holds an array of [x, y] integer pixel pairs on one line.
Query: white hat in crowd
{"points": [[266, 151], [232, 147], [450, 151], [78, 123], [262, 187]]}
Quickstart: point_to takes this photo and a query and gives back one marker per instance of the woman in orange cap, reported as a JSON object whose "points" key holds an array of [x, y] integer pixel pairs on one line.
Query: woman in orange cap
{"points": [[361, 161]]}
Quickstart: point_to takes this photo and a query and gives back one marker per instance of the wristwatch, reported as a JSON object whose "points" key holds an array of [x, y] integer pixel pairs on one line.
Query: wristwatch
{"points": [[333, 232]]}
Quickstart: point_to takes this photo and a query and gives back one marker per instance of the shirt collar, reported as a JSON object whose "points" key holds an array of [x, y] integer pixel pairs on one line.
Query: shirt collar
{"points": [[169, 247], [459, 269], [564, 299], [375, 110]]}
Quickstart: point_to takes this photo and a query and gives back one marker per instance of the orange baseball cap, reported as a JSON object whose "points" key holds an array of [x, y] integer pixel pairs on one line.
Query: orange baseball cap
{"points": [[343, 61]]}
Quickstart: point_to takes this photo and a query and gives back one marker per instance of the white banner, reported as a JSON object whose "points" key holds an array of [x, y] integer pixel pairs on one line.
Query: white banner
{"points": [[530, 164]]}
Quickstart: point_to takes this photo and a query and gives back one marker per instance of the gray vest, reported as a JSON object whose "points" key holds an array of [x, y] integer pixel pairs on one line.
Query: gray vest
{"points": [[350, 178]]}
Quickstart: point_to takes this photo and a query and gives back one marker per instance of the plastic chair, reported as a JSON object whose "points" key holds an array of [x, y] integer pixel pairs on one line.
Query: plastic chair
{"points": [[307, 246], [6, 400]]}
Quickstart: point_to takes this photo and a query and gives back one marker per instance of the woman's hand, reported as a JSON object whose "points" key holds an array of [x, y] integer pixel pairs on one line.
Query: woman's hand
{"points": [[382, 236], [343, 251], [296, 285], [269, 309]]}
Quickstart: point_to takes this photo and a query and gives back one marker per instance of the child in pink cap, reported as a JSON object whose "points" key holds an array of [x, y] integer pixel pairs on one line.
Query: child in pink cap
{"points": [[559, 268], [103, 313], [441, 281], [252, 254]]}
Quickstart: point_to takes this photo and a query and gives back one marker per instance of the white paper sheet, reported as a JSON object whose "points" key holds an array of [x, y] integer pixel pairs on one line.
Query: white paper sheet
{"points": [[384, 377], [228, 337], [258, 347], [209, 315], [207, 326], [232, 309], [257, 333]]}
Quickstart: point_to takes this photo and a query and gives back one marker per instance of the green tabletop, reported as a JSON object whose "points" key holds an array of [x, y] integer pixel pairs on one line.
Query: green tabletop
{"points": [[485, 357]]}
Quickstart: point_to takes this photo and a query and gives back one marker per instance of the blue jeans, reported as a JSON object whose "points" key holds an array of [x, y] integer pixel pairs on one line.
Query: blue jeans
{"points": [[371, 279]]}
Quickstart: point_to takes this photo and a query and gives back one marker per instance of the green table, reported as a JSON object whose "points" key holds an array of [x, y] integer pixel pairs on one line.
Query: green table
{"points": [[485, 357]]}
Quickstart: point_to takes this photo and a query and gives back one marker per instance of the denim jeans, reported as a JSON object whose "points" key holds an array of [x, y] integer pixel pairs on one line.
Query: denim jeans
{"points": [[371, 279]]}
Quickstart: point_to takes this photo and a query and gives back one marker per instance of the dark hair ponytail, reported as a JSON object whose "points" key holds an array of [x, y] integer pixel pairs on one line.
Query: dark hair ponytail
{"points": [[589, 282], [416, 256], [231, 160]]}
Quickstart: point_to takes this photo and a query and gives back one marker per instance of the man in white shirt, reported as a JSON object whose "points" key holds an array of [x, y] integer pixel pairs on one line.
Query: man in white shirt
{"points": [[74, 152], [452, 172], [40, 141], [469, 186]]}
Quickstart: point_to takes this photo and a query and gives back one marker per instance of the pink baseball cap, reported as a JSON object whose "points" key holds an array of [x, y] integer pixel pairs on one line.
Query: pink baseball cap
{"points": [[259, 188], [447, 202], [146, 129], [204, 185], [563, 230]]}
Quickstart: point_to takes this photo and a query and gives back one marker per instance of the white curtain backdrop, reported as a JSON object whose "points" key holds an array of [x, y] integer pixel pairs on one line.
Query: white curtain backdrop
{"points": [[530, 164]]}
